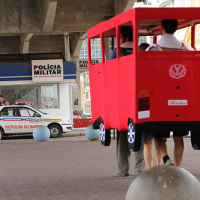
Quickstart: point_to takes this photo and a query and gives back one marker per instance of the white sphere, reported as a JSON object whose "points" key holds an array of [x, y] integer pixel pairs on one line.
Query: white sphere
{"points": [[92, 134], [164, 182], [41, 133]]}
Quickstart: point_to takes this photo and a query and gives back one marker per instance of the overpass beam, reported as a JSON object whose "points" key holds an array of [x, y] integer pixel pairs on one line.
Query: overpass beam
{"points": [[129, 5], [50, 16], [25, 39]]}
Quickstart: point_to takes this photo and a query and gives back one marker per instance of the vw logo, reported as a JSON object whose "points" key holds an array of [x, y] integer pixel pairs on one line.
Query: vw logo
{"points": [[131, 134], [102, 132], [177, 71]]}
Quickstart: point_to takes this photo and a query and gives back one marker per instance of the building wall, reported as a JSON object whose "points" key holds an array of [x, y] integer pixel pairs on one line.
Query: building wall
{"points": [[65, 102], [76, 94], [16, 75]]}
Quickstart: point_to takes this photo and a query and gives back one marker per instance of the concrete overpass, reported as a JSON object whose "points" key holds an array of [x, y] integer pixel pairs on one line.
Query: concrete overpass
{"points": [[38, 29]]}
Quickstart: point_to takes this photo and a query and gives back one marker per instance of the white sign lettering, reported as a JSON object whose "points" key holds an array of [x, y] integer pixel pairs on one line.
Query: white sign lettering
{"points": [[82, 65], [177, 102], [47, 70]]}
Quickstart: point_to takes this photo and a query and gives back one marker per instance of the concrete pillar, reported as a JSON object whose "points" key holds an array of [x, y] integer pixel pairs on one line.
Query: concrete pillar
{"points": [[76, 41], [67, 46], [77, 94]]}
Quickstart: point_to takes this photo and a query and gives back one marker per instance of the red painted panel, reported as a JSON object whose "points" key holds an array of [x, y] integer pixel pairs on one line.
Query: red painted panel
{"points": [[79, 123], [146, 86]]}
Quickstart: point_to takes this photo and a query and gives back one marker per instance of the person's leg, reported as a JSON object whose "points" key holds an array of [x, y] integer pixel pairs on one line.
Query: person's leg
{"points": [[178, 150], [162, 148], [123, 153], [195, 140], [148, 153], [158, 156], [139, 161]]}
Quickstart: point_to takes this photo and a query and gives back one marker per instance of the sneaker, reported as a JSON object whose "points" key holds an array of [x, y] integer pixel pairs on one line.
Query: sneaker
{"points": [[124, 174], [169, 162]]}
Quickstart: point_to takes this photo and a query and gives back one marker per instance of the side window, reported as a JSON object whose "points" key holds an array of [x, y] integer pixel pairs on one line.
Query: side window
{"points": [[24, 112], [148, 32], [144, 42], [184, 35], [95, 47], [197, 43], [126, 39], [31, 112], [148, 28], [110, 44], [4, 112], [8, 112]]}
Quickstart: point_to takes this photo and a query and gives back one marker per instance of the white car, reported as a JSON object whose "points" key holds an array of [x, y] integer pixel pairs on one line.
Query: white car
{"points": [[22, 119]]}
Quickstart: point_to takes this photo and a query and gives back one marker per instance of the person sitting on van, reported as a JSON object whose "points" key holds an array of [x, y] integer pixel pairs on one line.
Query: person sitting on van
{"points": [[143, 46], [169, 42], [126, 43]]}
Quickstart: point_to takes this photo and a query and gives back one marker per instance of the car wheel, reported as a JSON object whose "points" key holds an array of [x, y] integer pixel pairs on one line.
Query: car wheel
{"points": [[55, 131], [1, 134]]}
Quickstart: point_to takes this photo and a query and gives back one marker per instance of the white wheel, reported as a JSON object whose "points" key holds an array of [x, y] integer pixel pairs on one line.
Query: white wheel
{"points": [[131, 133], [102, 132]]}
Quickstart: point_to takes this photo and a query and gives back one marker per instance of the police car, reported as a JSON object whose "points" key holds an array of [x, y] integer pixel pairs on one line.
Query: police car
{"points": [[18, 119]]}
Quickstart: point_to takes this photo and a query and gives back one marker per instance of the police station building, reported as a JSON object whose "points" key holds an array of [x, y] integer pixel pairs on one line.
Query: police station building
{"points": [[42, 84]]}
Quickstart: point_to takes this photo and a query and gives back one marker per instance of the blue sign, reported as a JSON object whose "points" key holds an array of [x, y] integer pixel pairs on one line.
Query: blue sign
{"points": [[23, 71]]}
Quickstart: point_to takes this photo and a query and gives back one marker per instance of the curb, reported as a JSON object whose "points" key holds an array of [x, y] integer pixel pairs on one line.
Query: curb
{"points": [[73, 134]]}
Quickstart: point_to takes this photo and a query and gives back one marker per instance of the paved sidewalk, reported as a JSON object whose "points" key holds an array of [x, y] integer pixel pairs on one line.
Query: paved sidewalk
{"points": [[70, 168]]}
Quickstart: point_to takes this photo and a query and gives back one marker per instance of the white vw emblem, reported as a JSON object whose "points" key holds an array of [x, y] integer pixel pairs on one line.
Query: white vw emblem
{"points": [[131, 134], [177, 71], [102, 132]]}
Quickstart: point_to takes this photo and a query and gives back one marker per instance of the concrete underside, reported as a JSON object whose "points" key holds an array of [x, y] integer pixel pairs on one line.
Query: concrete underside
{"points": [[29, 27]]}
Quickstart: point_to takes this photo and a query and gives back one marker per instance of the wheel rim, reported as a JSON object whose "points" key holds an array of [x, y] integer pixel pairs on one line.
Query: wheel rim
{"points": [[102, 132], [54, 131], [131, 133]]}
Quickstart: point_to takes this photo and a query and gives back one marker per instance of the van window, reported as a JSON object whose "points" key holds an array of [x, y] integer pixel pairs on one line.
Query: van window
{"points": [[109, 42], [95, 45]]}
